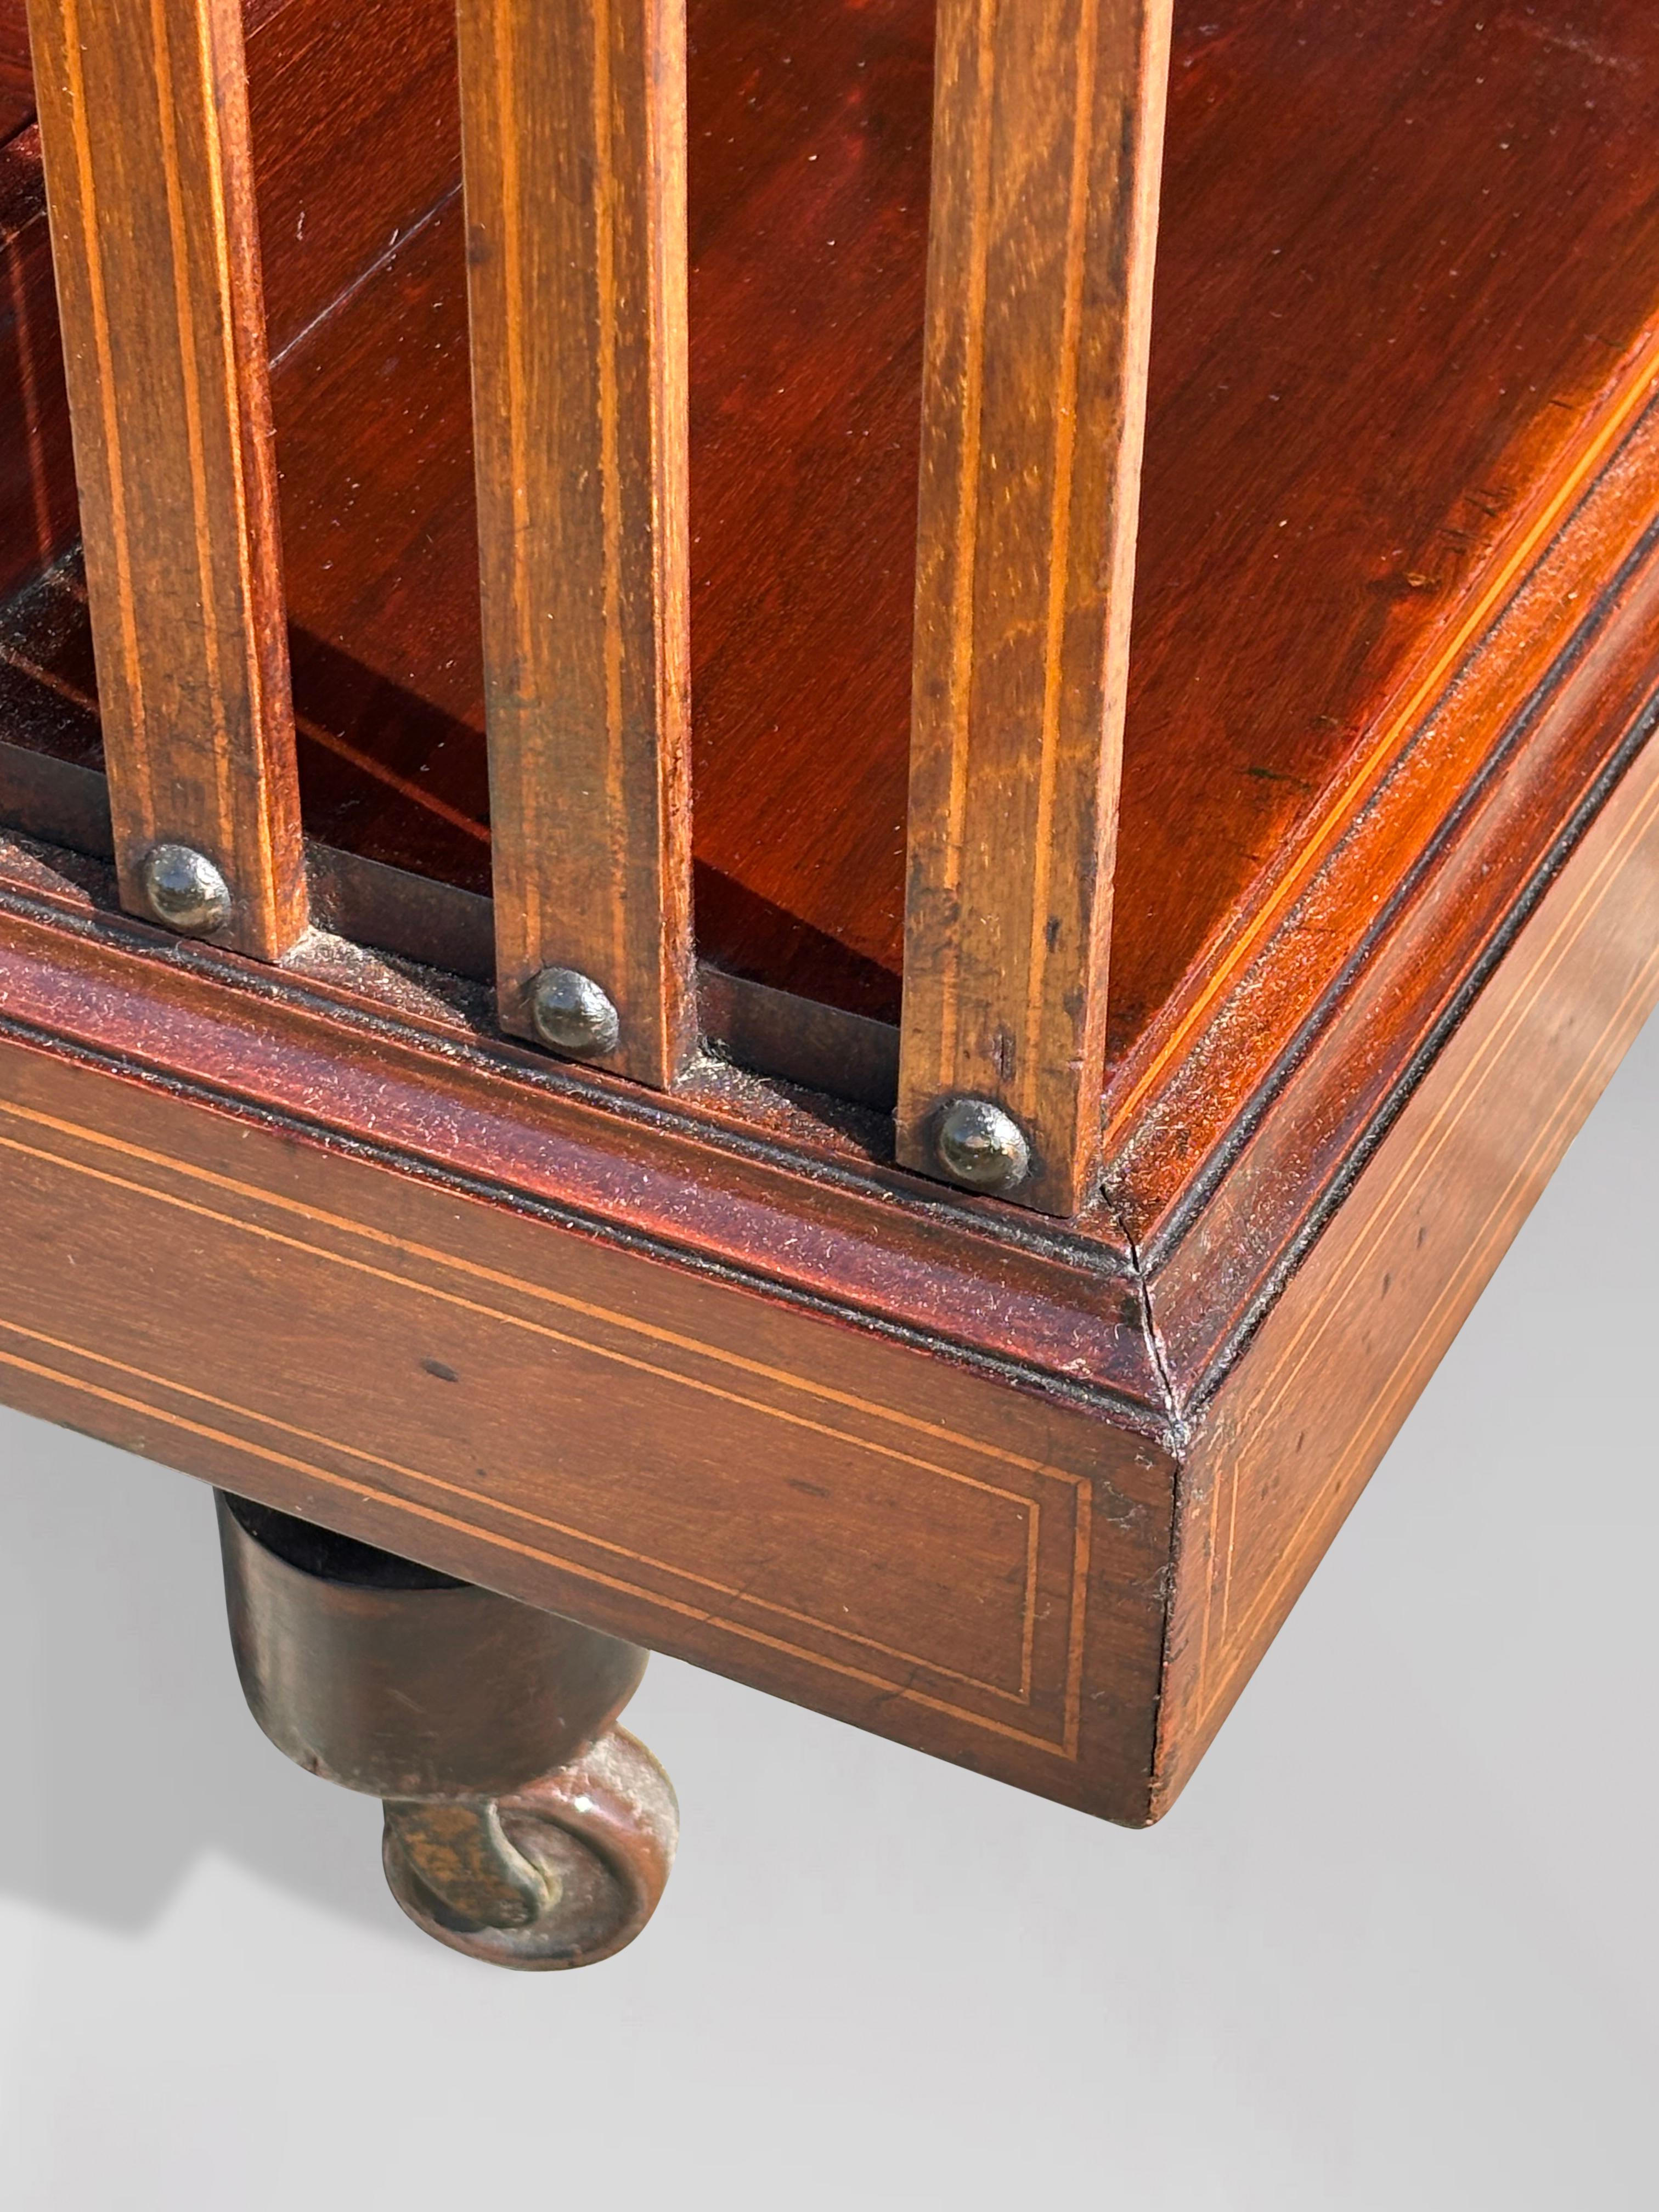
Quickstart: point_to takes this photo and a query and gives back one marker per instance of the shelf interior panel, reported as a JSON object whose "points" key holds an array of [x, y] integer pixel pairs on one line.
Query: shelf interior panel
{"points": [[1406, 256]]}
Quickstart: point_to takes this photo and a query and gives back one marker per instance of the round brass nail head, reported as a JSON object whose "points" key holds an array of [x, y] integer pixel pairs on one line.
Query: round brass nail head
{"points": [[981, 1145], [570, 1012], [183, 889]]}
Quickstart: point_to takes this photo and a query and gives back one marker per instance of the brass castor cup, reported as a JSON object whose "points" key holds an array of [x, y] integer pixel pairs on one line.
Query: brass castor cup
{"points": [[522, 1825]]}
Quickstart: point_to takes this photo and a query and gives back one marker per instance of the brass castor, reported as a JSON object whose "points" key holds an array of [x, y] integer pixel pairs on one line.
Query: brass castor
{"points": [[522, 1825]]}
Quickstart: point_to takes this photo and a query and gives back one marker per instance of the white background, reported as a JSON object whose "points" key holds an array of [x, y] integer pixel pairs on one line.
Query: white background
{"points": [[1394, 1949]]}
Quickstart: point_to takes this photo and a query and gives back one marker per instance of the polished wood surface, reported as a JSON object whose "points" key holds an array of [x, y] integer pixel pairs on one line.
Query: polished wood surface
{"points": [[1292, 1436], [734, 1175], [574, 154], [1451, 855], [794, 816], [356, 140], [144, 130], [1398, 286], [1030, 1492], [675, 1459], [39, 515], [17, 68], [810, 148], [385, 652], [1425, 417], [1036, 1607], [387, 669], [1048, 139], [1229, 779]]}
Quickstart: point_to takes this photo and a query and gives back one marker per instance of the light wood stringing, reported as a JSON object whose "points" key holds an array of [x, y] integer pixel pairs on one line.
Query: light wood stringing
{"points": [[1294, 1434], [1046, 139], [573, 128], [144, 134]]}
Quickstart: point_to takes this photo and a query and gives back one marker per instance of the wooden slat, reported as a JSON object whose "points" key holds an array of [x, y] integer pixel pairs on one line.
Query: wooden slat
{"points": [[144, 120], [573, 131], [1047, 139]]}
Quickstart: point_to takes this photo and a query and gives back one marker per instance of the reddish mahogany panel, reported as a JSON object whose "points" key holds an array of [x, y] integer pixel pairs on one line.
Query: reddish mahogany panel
{"points": [[1406, 256]]}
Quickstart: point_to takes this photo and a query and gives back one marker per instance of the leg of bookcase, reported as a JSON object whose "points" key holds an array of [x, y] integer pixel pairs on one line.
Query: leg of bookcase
{"points": [[522, 1825]]}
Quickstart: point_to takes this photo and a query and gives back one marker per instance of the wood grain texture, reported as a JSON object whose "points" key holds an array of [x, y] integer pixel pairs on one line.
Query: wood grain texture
{"points": [[1542, 725], [356, 137], [1295, 1434], [16, 70], [1048, 137], [1271, 663], [1438, 871], [1386, 773], [810, 1236], [574, 137], [381, 554], [975, 1629], [144, 130], [727, 1178], [1402, 263], [810, 144], [371, 417], [39, 515], [716, 1465]]}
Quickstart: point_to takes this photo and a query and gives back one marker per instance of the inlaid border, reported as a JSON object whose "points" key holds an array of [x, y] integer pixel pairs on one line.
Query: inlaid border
{"points": [[141, 1399]]}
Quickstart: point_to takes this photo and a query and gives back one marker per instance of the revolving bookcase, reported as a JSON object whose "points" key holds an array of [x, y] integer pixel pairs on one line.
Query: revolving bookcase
{"points": [[814, 819]]}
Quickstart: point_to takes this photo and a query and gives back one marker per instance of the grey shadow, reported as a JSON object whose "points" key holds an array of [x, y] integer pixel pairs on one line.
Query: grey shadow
{"points": [[128, 1750]]}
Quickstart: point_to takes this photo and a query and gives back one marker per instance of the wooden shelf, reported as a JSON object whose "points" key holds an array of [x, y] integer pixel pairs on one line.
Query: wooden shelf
{"points": [[1388, 851], [1402, 295]]}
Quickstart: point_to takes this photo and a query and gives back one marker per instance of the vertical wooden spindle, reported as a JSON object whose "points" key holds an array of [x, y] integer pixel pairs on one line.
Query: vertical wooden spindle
{"points": [[573, 131], [1046, 140], [144, 133]]}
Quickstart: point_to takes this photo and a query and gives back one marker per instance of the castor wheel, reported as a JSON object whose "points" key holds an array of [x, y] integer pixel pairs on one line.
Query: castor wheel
{"points": [[522, 1825], [560, 1873]]}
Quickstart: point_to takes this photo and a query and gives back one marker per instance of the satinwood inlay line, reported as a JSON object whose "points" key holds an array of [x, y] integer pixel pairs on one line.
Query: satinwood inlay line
{"points": [[1412, 1173], [1422, 689], [1068, 1747], [494, 1313], [966, 547], [109, 419], [605, 261], [502, 20], [1029, 1507], [188, 1171], [491, 1503], [1030, 1073], [190, 384]]}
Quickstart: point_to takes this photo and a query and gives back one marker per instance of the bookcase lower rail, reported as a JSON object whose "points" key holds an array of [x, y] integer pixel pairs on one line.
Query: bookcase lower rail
{"points": [[978, 1563]]}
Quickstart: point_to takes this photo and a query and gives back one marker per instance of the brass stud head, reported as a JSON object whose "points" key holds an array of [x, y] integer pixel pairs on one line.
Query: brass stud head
{"points": [[570, 1012], [183, 889], [981, 1145]]}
